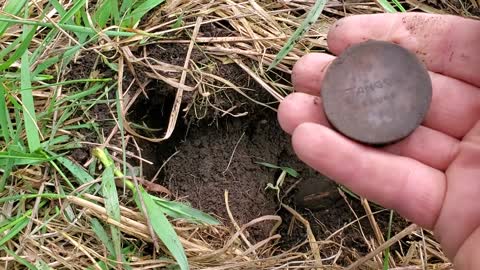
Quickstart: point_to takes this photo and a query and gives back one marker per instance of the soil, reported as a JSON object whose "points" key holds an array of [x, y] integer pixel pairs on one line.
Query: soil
{"points": [[205, 158]]}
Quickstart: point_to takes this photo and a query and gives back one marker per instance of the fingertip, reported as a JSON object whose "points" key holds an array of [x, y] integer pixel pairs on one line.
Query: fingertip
{"points": [[343, 32], [336, 44], [308, 71], [284, 112], [298, 108], [358, 28]]}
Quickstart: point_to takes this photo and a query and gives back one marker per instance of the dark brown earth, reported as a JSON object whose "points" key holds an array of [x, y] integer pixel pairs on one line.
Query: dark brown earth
{"points": [[208, 157], [211, 159], [204, 158]]}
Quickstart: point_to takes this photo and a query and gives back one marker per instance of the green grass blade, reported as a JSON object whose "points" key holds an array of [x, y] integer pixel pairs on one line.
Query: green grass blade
{"points": [[59, 8], [11, 76], [90, 126], [183, 211], [66, 18], [11, 7], [126, 6], [31, 129], [289, 170], [7, 169], [96, 82], [102, 235], [19, 259], [67, 112], [139, 11], [10, 48], [17, 132], [64, 177], [80, 95], [105, 239], [68, 27], [53, 60], [4, 117], [78, 172], [10, 223], [62, 139], [268, 165], [389, 232], [72, 11], [122, 132], [102, 14], [21, 158], [163, 228], [20, 224], [108, 9], [21, 50], [312, 16], [158, 220], [399, 5], [112, 206], [387, 6], [178, 23], [41, 265]]}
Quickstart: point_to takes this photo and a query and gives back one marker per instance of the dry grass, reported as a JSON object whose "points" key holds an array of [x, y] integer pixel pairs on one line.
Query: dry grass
{"points": [[59, 231]]}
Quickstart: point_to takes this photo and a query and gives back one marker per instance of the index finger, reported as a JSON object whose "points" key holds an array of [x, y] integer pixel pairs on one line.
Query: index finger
{"points": [[447, 44]]}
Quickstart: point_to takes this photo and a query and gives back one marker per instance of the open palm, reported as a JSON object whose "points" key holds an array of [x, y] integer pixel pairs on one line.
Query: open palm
{"points": [[432, 177]]}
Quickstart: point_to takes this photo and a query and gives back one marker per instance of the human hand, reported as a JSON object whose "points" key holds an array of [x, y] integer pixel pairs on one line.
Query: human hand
{"points": [[433, 176]]}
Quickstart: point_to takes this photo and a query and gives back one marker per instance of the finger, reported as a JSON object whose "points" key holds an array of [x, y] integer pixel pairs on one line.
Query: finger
{"points": [[408, 186], [454, 105], [446, 44], [426, 145], [467, 256], [308, 72], [461, 200], [298, 108]]}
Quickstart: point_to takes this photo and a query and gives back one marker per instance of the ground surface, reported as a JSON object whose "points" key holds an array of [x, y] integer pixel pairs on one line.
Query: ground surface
{"points": [[72, 213], [207, 157]]}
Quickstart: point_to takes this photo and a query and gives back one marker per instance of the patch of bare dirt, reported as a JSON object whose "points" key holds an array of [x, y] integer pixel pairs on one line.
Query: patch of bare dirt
{"points": [[204, 158]]}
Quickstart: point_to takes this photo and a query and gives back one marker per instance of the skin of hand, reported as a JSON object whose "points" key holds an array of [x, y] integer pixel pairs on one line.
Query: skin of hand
{"points": [[432, 177]]}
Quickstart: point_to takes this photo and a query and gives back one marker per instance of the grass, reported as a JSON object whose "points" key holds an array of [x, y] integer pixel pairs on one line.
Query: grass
{"points": [[98, 212], [281, 179]]}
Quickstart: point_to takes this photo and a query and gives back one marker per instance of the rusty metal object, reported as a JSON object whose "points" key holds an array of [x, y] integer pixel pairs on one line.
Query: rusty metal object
{"points": [[376, 92]]}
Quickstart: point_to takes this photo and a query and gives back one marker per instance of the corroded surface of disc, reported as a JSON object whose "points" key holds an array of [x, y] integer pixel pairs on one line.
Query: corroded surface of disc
{"points": [[376, 92]]}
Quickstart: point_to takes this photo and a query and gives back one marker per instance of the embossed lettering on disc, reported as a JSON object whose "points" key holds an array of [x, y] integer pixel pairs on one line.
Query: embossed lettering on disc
{"points": [[376, 92]]}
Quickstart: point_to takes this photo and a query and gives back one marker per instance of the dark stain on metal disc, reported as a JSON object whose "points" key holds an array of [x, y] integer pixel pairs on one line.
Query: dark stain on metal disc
{"points": [[376, 92]]}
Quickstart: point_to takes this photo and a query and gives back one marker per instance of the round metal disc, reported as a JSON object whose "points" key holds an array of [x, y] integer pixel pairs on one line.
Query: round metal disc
{"points": [[376, 92]]}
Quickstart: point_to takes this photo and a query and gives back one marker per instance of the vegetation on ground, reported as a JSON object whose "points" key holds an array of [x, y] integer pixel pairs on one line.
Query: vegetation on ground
{"points": [[59, 213]]}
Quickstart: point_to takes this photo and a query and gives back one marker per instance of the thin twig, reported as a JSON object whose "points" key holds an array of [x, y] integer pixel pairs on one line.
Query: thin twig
{"points": [[233, 152]]}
